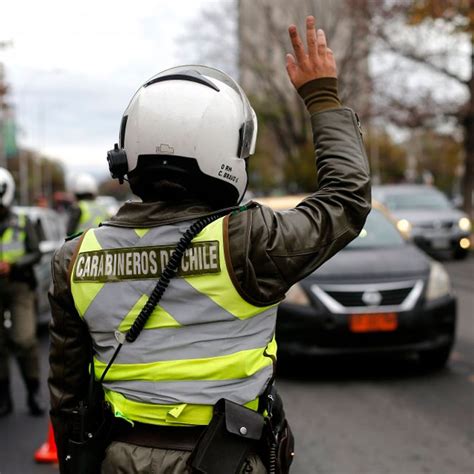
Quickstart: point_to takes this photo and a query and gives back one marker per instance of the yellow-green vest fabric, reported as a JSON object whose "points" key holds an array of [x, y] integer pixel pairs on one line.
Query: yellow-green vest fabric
{"points": [[92, 215], [13, 240], [203, 342]]}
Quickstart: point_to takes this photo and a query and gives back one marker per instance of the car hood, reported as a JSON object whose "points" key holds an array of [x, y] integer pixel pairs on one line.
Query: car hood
{"points": [[426, 216], [381, 264]]}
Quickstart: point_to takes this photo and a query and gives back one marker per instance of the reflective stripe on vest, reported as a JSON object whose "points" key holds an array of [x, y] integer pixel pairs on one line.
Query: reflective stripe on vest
{"points": [[92, 214], [13, 240], [203, 341]]}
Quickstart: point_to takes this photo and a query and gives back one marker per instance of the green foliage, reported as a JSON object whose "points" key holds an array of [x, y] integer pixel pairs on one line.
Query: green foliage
{"points": [[448, 10], [387, 159], [442, 156]]}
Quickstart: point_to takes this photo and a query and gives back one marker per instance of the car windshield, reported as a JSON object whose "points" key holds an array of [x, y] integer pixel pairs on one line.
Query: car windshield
{"points": [[425, 199], [378, 231]]}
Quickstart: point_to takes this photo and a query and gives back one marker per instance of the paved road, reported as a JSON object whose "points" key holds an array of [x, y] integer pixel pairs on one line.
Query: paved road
{"points": [[374, 417], [388, 417]]}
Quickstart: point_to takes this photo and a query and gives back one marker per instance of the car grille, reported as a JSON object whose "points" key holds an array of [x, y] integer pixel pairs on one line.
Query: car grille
{"points": [[436, 225], [371, 297], [354, 298]]}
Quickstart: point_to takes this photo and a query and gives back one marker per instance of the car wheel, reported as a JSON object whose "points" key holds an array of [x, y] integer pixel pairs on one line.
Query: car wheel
{"points": [[435, 358]]}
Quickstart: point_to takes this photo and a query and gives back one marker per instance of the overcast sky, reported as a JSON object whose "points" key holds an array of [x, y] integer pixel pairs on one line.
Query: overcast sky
{"points": [[73, 67]]}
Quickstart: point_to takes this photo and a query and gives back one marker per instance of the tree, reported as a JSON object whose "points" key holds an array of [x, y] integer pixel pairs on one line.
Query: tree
{"points": [[432, 39], [52, 176], [434, 146], [251, 38], [24, 164], [380, 146]]}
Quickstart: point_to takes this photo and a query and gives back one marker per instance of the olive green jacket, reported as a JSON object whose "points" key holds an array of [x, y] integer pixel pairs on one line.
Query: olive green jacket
{"points": [[269, 250]]}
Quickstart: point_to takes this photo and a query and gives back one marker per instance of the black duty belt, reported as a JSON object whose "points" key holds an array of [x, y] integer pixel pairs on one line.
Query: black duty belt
{"points": [[161, 437]]}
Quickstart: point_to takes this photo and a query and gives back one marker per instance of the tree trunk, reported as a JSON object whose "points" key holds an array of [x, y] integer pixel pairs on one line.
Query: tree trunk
{"points": [[468, 179]]}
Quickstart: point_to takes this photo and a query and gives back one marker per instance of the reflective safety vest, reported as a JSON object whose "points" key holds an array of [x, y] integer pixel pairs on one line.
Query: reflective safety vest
{"points": [[203, 342], [92, 214], [13, 239]]}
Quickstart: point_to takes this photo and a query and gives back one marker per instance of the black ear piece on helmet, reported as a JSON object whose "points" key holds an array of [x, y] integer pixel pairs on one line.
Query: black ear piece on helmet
{"points": [[118, 164]]}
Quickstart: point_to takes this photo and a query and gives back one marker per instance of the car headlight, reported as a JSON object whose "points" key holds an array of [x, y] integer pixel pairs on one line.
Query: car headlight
{"points": [[465, 224], [404, 227], [296, 295], [438, 284]]}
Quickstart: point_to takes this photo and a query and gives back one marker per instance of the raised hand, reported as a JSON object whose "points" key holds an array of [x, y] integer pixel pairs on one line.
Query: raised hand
{"points": [[317, 62]]}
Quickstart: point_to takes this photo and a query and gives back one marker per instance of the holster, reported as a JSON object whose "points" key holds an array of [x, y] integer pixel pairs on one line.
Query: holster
{"points": [[92, 426], [85, 457], [278, 443], [277, 452], [232, 434]]}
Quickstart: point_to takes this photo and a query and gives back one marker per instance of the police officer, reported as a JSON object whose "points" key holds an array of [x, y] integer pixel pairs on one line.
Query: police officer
{"points": [[86, 212], [185, 140], [19, 251]]}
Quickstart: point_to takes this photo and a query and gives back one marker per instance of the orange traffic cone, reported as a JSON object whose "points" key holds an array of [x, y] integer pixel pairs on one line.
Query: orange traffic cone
{"points": [[47, 453]]}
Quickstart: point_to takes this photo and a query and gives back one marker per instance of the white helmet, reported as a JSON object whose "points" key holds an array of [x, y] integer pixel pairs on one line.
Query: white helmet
{"points": [[84, 184], [193, 120], [7, 188]]}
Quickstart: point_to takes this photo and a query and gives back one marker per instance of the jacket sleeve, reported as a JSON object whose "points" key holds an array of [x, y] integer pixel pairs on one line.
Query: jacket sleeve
{"points": [[270, 251], [70, 351]]}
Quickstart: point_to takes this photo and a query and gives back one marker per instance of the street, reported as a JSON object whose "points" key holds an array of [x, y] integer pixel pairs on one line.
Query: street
{"points": [[358, 416]]}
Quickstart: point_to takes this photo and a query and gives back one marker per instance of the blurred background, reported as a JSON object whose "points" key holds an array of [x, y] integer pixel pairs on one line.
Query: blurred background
{"points": [[67, 74], [67, 71]]}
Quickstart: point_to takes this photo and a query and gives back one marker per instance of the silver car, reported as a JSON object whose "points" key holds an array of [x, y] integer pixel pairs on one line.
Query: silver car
{"points": [[427, 216]]}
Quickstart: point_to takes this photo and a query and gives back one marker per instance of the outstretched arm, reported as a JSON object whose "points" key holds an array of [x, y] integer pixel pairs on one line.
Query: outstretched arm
{"points": [[269, 250]]}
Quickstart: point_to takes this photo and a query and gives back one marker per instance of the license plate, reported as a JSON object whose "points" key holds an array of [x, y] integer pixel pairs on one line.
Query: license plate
{"points": [[373, 322], [440, 243]]}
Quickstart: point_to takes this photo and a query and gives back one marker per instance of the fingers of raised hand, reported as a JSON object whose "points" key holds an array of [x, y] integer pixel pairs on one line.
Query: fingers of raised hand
{"points": [[297, 44], [317, 62], [323, 62], [322, 45], [311, 37], [291, 66]]}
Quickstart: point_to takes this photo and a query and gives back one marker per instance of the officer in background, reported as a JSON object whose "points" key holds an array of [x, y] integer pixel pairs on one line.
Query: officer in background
{"points": [[19, 251], [185, 140], [86, 212]]}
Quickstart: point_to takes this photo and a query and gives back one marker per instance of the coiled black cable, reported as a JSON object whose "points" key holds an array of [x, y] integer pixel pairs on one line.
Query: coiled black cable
{"points": [[272, 458], [169, 272]]}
